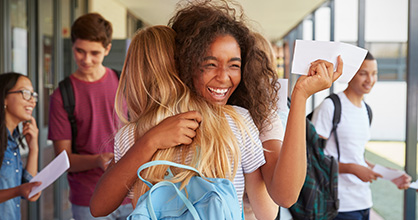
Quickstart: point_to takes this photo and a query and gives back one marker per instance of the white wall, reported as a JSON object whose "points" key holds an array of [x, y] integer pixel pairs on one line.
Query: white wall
{"points": [[322, 24], [346, 22], [386, 20], [114, 12], [388, 102]]}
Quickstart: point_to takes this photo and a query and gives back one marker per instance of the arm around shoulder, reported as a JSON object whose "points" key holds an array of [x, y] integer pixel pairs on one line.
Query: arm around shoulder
{"points": [[116, 182]]}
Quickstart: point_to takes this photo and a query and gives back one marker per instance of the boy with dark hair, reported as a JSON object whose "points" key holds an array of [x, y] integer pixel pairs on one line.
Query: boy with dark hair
{"points": [[355, 172], [94, 87]]}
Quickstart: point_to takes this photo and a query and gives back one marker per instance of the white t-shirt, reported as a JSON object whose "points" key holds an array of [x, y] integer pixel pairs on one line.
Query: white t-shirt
{"points": [[252, 155], [353, 134], [274, 131]]}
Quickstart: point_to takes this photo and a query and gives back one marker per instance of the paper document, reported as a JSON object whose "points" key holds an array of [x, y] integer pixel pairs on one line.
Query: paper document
{"points": [[387, 173], [414, 185], [51, 172], [282, 104], [307, 51]]}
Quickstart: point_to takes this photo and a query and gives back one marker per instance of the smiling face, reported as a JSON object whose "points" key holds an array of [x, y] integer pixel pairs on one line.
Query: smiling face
{"points": [[17, 108], [365, 78], [220, 71], [89, 55]]}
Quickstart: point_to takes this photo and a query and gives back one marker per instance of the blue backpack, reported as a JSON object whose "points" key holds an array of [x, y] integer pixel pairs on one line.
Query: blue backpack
{"points": [[207, 198]]}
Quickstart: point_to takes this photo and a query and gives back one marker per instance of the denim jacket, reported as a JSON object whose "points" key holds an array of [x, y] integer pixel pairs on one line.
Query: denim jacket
{"points": [[12, 174]]}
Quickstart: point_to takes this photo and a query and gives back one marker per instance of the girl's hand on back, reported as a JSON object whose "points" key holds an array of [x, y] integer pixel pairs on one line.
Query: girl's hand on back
{"points": [[104, 159], [175, 130], [321, 75]]}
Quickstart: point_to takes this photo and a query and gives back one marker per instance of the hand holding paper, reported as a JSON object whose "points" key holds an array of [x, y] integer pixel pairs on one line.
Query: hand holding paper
{"points": [[307, 52], [387, 173], [414, 185], [282, 104], [26, 188], [403, 181], [51, 172], [321, 76]]}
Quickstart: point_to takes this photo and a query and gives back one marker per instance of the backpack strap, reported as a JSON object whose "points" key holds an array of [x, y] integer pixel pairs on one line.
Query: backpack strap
{"points": [[186, 201], [336, 119], [68, 101], [162, 162], [370, 113], [117, 72]]}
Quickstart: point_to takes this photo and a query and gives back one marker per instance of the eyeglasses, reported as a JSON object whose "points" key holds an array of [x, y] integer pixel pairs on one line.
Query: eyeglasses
{"points": [[26, 94]]}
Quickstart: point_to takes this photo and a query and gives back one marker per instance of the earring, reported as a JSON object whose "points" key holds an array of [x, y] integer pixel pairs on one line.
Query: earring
{"points": [[5, 106]]}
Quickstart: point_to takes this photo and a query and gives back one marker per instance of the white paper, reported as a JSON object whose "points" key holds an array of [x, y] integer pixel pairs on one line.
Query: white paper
{"points": [[307, 51], [282, 103], [414, 185], [51, 172], [387, 173]]}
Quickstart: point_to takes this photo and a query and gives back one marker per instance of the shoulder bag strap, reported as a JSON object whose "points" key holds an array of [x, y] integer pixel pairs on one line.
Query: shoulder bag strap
{"points": [[162, 162], [186, 201], [370, 113], [68, 100], [336, 119], [117, 72]]}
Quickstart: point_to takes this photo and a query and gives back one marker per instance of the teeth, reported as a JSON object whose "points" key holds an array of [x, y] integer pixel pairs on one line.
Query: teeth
{"points": [[220, 91], [29, 108]]}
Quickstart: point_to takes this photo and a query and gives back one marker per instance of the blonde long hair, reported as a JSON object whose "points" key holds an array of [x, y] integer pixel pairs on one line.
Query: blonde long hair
{"points": [[153, 91]]}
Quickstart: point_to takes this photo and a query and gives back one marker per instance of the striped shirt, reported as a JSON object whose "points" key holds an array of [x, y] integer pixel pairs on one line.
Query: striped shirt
{"points": [[252, 155]]}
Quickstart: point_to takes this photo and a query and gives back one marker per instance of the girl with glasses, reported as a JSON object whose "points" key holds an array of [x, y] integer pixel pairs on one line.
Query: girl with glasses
{"points": [[26, 94], [18, 101]]}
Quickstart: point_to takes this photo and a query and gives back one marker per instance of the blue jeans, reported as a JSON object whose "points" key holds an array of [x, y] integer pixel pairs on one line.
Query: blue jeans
{"points": [[83, 213], [354, 215]]}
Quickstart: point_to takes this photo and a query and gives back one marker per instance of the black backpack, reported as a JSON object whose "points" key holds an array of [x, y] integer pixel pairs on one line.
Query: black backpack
{"points": [[318, 198], [68, 101]]}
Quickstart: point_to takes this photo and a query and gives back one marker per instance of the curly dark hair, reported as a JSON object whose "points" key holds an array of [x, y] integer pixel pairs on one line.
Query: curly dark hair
{"points": [[197, 25]]}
